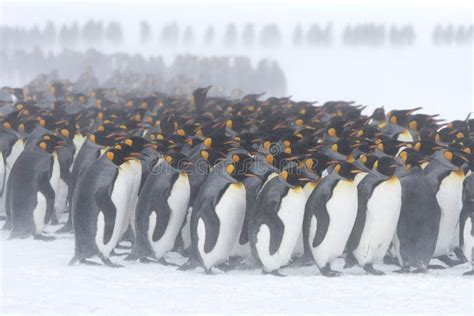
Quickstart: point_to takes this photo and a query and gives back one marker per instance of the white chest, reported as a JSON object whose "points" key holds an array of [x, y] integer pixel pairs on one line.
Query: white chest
{"points": [[383, 211], [449, 198]]}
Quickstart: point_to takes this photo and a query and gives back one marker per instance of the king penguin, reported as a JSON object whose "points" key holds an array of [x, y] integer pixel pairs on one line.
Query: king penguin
{"points": [[379, 202], [218, 214], [99, 208], [278, 219], [330, 214], [33, 181], [466, 231], [161, 208]]}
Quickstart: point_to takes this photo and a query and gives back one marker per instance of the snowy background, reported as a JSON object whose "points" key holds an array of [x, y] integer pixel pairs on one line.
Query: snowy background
{"points": [[34, 275]]}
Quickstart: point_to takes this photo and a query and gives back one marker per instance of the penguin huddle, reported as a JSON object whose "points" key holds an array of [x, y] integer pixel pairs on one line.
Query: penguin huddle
{"points": [[238, 184]]}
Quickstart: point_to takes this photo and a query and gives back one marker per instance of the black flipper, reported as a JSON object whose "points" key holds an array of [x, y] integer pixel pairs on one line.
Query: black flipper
{"points": [[107, 207]]}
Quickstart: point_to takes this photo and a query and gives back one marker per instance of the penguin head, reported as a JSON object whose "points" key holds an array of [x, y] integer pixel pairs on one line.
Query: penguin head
{"points": [[426, 147], [365, 162], [386, 166], [241, 166], [413, 159], [116, 155], [293, 176], [199, 96], [211, 155], [346, 170], [178, 161], [343, 148], [50, 143]]}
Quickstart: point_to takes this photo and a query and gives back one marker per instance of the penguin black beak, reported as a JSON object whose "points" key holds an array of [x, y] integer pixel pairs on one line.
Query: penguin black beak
{"points": [[207, 88]]}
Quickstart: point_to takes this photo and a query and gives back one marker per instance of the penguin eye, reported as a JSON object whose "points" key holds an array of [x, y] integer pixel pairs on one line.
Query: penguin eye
{"points": [[205, 154], [448, 155], [403, 155], [332, 132], [230, 168], [42, 145], [334, 148], [110, 155], [208, 142], [65, 133]]}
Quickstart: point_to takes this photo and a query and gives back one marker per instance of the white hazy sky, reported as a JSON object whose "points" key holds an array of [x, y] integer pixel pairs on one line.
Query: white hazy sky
{"points": [[440, 79]]}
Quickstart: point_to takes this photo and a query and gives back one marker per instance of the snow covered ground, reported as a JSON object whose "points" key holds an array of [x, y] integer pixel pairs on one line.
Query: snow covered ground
{"points": [[35, 278]]}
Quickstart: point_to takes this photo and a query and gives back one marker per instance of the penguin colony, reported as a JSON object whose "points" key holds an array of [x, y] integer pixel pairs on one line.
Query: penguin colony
{"points": [[238, 184]]}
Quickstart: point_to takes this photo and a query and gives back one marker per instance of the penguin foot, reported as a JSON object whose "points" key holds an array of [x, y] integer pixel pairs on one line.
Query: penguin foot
{"points": [[389, 260], [226, 267], [302, 261], [187, 266], [67, 228], [328, 272], [450, 262], [208, 271], [43, 237], [469, 272], [274, 273], [132, 257], [369, 268], [87, 262], [119, 246], [117, 254], [110, 264], [436, 267], [403, 270]]}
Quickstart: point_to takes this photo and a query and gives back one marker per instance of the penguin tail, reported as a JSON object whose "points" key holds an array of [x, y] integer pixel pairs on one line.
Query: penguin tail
{"points": [[350, 260], [132, 257]]}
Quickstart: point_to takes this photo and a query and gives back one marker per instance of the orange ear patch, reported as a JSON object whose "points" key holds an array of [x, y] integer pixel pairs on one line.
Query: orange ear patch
{"points": [[42, 145], [110, 155]]}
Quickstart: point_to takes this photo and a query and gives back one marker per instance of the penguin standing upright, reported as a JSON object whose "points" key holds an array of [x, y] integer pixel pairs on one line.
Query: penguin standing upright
{"points": [[218, 214], [415, 239], [100, 206], [466, 222], [379, 202], [330, 214], [161, 208], [278, 218], [446, 176], [34, 179]]}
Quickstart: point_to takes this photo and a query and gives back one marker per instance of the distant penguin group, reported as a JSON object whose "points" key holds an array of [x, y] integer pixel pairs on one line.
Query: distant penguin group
{"points": [[237, 184]]}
